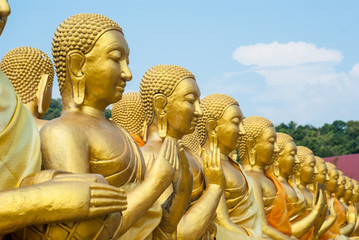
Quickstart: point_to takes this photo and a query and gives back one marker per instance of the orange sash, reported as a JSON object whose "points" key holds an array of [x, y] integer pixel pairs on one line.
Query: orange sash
{"points": [[340, 213], [278, 217], [138, 140], [334, 229]]}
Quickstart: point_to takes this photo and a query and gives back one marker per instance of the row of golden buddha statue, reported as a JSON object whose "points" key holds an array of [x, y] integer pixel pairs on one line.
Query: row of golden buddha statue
{"points": [[164, 166]]}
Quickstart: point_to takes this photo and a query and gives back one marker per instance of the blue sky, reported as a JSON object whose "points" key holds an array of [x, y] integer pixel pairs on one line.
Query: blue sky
{"points": [[284, 60]]}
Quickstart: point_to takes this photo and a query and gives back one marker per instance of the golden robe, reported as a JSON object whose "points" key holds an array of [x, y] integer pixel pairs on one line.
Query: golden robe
{"points": [[19, 138]]}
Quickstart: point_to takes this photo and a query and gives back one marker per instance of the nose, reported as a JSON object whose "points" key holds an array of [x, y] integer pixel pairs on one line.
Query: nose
{"points": [[327, 177], [296, 158], [125, 73], [4, 8], [242, 130], [315, 170], [276, 148], [197, 109]]}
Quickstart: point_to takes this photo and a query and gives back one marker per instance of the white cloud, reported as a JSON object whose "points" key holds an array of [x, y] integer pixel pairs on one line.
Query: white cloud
{"points": [[301, 83], [285, 54]]}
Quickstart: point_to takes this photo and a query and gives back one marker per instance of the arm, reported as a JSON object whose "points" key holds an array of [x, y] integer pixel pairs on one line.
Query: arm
{"points": [[223, 219], [141, 198], [57, 202], [332, 218], [351, 218], [203, 210], [302, 226], [267, 229], [176, 204]]}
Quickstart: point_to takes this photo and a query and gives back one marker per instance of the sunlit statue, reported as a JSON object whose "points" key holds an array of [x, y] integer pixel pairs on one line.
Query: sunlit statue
{"points": [[355, 202], [31, 73], [330, 216], [257, 149], [221, 126], [304, 177], [283, 167], [347, 203], [91, 58], [56, 196], [171, 99], [129, 113]]}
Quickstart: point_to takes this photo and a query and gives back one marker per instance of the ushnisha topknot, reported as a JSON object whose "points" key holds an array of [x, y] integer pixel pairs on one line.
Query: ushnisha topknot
{"points": [[303, 152], [24, 66], [160, 79], [254, 127], [79, 32], [213, 107], [129, 112]]}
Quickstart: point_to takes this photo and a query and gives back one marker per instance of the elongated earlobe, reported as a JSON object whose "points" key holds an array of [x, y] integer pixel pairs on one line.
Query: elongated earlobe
{"points": [[159, 104], [41, 91], [75, 60]]}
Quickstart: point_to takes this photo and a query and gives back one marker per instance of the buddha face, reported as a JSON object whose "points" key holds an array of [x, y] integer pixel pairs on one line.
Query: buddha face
{"points": [[332, 184], [322, 176], [229, 129], [349, 187], [341, 185], [266, 146], [183, 109], [106, 70], [308, 170], [4, 13], [287, 159]]}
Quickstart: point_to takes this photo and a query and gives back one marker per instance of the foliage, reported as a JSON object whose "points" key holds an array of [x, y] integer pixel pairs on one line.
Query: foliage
{"points": [[56, 107], [338, 138]]}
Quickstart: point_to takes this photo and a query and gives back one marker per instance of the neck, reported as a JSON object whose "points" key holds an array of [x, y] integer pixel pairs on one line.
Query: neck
{"points": [[32, 107], [282, 179]]}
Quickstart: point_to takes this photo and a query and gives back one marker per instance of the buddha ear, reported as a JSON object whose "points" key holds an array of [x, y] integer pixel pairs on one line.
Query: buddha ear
{"points": [[276, 168], [144, 131], [42, 95], [211, 126], [251, 146], [159, 104], [75, 60]]}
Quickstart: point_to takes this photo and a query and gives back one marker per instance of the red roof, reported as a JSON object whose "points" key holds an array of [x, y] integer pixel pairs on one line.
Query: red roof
{"points": [[348, 164]]}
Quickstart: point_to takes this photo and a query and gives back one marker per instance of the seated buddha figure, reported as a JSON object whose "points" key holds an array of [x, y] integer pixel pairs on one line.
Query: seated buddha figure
{"points": [[31, 73], [170, 96], [91, 59], [328, 228], [129, 113], [304, 177], [46, 196], [348, 205], [221, 126], [283, 167], [257, 148]]}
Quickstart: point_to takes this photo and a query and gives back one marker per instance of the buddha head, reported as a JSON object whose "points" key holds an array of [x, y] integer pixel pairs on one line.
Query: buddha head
{"points": [[170, 96], [341, 185], [349, 188], [307, 170], [258, 146], [355, 191], [31, 73], [221, 123], [91, 58], [333, 174], [4, 13], [130, 114], [285, 161], [322, 176]]}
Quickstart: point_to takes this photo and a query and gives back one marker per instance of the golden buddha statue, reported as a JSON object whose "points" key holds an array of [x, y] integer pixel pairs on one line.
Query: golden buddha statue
{"points": [[31, 73], [91, 59], [55, 195], [355, 202], [129, 113], [351, 213], [257, 149], [304, 177], [221, 125], [283, 167], [171, 99], [322, 177]]}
